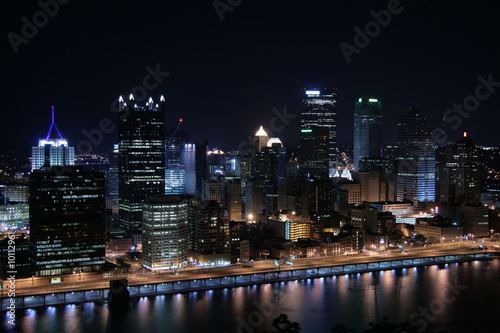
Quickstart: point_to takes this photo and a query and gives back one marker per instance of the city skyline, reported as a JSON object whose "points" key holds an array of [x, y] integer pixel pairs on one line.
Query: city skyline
{"points": [[230, 166], [391, 67]]}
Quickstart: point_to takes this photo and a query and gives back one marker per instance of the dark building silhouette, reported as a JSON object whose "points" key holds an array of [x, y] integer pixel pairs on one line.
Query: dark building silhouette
{"points": [[255, 198], [319, 199], [261, 166], [459, 175], [67, 227], [201, 166], [209, 228], [313, 153], [367, 129], [290, 192]]}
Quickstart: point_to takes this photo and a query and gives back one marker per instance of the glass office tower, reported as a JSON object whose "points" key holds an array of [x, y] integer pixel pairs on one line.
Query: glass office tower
{"points": [[141, 158], [175, 174], [416, 158], [188, 159], [367, 129], [319, 109]]}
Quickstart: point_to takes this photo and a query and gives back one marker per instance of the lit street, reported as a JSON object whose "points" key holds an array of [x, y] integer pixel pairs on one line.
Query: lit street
{"points": [[90, 281]]}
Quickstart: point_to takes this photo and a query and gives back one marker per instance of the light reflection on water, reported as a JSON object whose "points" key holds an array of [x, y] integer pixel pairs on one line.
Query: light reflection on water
{"points": [[317, 304]]}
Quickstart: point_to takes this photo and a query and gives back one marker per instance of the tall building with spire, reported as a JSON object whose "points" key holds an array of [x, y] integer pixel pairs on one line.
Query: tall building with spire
{"points": [[141, 157], [53, 150], [367, 129], [319, 109]]}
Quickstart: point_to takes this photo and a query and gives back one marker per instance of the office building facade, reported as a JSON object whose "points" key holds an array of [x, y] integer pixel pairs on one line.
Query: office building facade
{"points": [[314, 152], [141, 158], [175, 171], [67, 221], [459, 175], [209, 225], [319, 109], [416, 158], [367, 129], [165, 232]]}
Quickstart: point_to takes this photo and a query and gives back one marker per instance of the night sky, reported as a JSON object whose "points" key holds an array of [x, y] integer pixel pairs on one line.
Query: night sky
{"points": [[225, 77]]}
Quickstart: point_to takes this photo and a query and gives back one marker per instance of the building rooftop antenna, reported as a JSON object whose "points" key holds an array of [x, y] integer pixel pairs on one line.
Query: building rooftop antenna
{"points": [[52, 125]]}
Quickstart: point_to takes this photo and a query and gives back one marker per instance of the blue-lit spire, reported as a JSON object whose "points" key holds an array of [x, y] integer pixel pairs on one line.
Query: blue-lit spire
{"points": [[52, 125]]}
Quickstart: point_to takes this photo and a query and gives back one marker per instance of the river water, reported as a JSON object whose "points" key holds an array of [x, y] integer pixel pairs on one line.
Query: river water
{"points": [[461, 297]]}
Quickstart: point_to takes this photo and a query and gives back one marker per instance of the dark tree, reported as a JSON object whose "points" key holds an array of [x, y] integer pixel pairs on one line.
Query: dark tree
{"points": [[283, 325]]}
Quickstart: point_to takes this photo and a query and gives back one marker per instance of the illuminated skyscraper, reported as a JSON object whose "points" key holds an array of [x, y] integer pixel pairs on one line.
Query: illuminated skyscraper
{"points": [[165, 233], [52, 150], [175, 174], [141, 157], [216, 160], [261, 138], [319, 109], [367, 129], [188, 160], [67, 221], [416, 158]]}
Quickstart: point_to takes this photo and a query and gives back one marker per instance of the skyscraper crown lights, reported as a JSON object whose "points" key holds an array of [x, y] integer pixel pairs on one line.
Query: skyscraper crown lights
{"points": [[150, 105], [56, 141]]}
